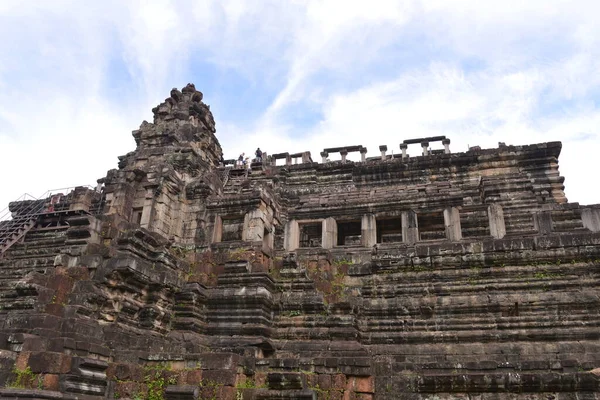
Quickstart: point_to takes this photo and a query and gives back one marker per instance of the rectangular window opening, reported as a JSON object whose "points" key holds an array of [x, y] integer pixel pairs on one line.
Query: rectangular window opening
{"points": [[280, 162], [431, 226], [389, 230], [474, 223], [267, 239], [311, 234], [136, 215], [232, 228], [349, 233]]}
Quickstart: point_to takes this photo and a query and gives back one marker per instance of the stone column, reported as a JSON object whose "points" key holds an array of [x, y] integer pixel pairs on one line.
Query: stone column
{"points": [[591, 219], [306, 157], [324, 156], [217, 230], [273, 161], [452, 224], [363, 154], [424, 146], [146, 212], [288, 159], [82, 200], [410, 227], [254, 226], [368, 230], [268, 238], [291, 236], [542, 221], [343, 153], [329, 235], [383, 149], [403, 147], [496, 218], [446, 143]]}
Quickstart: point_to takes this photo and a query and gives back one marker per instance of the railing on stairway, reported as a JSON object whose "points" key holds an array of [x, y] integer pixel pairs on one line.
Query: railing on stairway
{"points": [[12, 230], [225, 175]]}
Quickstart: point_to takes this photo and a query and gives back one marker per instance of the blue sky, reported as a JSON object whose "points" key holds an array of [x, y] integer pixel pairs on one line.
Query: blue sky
{"points": [[77, 77]]}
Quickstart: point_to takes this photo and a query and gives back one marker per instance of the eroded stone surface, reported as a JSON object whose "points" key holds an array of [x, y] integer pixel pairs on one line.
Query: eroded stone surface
{"points": [[446, 275]]}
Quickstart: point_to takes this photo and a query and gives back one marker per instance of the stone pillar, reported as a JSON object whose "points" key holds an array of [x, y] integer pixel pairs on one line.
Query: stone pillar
{"points": [[368, 230], [542, 221], [288, 159], [591, 219], [424, 146], [496, 218], [217, 230], [329, 235], [410, 227], [383, 149], [324, 156], [446, 143], [343, 153], [403, 147], [254, 226], [82, 199], [291, 236], [273, 161], [363, 154], [268, 239], [452, 224], [306, 157], [146, 212]]}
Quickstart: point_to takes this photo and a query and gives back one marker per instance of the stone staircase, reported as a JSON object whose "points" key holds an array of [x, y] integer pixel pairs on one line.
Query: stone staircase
{"points": [[13, 230]]}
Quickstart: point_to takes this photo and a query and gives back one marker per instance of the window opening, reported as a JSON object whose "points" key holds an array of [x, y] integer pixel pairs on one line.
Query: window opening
{"points": [[311, 234], [136, 215], [349, 233], [431, 226], [232, 229], [389, 230]]}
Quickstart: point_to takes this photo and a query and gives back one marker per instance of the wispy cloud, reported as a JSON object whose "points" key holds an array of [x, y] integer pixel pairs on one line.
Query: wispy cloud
{"points": [[76, 78]]}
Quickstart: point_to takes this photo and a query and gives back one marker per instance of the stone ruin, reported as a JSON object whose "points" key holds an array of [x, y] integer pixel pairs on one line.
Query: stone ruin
{"points": [[438, 275]]}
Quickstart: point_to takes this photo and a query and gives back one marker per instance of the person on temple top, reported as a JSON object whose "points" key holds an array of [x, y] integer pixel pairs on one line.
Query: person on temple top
{"points": [[258, 154], [240, 162]]}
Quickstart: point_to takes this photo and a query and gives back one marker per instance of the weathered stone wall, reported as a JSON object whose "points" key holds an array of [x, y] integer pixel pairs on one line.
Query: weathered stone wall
{"points": [[442, 276]]}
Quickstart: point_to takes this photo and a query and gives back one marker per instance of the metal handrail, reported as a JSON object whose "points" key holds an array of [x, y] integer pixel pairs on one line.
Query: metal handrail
{"points": [[5, 213]]}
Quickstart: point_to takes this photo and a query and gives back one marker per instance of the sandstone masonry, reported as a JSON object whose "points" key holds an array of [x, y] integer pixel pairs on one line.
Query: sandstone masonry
{"points": [[436, 275]]}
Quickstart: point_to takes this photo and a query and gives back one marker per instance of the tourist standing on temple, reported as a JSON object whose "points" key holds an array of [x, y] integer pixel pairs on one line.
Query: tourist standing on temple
{"points": [[258, 154], [240, 162]]}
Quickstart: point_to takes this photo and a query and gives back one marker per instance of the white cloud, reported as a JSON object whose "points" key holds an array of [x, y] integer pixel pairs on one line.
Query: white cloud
{"points": [[516, 72]]}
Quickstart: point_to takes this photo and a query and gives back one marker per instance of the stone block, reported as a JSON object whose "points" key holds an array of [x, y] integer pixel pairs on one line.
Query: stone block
{"points": [[219, 376], [49, 362], [51, 382]]}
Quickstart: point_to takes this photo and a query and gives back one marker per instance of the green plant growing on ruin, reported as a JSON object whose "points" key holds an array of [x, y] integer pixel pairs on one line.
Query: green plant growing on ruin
{"points": [[248, 383], [211, 384], [237, 254], [292, 313], [25, 379], [342, 262], [156, 382]]}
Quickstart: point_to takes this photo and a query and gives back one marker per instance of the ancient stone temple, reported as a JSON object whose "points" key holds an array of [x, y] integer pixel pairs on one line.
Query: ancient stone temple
{"points": [[425, 274]]}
